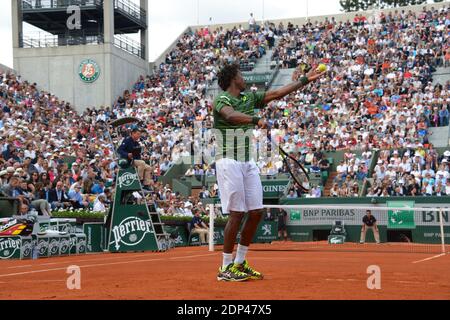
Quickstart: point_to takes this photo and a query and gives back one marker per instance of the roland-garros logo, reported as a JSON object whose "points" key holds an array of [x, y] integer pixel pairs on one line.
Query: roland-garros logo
{"points": [[130, 232], [127, 179], [89, 71]]}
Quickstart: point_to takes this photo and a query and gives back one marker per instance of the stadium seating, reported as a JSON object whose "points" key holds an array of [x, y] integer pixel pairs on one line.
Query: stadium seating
{"points": [[377, 95]]}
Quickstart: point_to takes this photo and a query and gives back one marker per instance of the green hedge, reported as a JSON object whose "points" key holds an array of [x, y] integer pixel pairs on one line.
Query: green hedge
{"points": [[77, 215], [87, 215]]}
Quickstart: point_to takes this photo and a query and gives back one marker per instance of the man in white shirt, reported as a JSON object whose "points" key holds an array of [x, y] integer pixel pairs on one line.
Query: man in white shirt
{"points": [[252, 23], [428, 170], [188, 209], [342, 168], [99, 205]]}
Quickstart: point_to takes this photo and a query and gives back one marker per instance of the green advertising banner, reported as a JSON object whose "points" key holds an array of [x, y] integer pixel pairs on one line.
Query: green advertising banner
{"points": [[27, 248], [399, 218], [64, 245], [53, 246], [42, 243], [81, 243], [131, 228], [256, 77], [295, 215], [94, 233], [267, 232], [10, 248], [274, 189], [177, 234]]}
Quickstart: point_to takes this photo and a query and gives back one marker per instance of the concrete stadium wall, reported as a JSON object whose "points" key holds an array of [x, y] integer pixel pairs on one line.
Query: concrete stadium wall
{"points": [[339, 17], [56, 70]]}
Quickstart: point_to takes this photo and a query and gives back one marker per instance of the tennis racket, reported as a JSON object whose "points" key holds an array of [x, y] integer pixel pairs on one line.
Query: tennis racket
{"points": [[295, 169]]}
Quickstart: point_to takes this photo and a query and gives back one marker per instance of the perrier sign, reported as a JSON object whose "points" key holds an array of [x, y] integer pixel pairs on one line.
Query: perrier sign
{"points": [[131, 228], [398, 217]]}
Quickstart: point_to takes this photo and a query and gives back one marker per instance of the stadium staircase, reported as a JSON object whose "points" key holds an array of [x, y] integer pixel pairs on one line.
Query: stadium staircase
{"points": [[263, 65], [283, 78], [329, 184], [440, 137]]}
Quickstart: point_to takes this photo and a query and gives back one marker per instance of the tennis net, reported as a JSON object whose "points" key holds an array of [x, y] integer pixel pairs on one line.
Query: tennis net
{"points": [[394, 227]]}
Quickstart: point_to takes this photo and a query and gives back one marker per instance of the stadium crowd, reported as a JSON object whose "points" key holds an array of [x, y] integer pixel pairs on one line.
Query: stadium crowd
{"points": [[377, 95]]}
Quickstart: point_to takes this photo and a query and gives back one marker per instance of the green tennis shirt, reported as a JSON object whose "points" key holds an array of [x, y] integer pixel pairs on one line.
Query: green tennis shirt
{"points": [[235, 141]]}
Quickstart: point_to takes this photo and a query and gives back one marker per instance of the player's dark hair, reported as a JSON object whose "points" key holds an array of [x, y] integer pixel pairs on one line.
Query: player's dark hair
{"points": [[227, 74]]}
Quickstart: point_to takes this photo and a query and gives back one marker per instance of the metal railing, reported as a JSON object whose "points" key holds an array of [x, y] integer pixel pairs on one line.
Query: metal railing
{"points": [[129, 45], [48, 41], [131, 9], [56, 4]]}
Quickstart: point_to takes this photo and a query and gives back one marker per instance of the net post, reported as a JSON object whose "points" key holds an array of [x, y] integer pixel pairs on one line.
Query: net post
{"points": [[211, 227], [441, 223]]}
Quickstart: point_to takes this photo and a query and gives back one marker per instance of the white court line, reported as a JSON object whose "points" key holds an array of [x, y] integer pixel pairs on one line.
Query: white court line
{"points": [[197, 256], [431, 258], [130, 255], [77, 261], [19, 267], [98, 265], [343, 280], [35, 281]]}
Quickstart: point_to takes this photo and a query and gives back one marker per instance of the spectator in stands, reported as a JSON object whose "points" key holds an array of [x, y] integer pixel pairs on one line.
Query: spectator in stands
{"points": [[77, 199], [334, 191], [190, 172], [98, 187], [204, 194], [252, 23], [187, 211], [316, 192], [100, 204], [292, 194], [357, 106], [9, 189], [58, 198], [3, 178], [24, 209]]}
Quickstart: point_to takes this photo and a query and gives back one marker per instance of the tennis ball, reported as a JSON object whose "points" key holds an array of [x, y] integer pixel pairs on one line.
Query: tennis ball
{"points": [[322, 68]]}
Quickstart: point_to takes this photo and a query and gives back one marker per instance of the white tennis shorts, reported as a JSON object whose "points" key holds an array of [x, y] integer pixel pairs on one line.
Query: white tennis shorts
{"points": [[239, 185]]}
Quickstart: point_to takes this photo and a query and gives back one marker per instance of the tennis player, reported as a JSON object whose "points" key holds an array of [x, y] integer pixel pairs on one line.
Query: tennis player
{"points": [[237, 174]]}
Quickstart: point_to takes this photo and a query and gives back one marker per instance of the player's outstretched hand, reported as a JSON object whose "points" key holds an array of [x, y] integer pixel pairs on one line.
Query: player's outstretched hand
{"points": [[315, 74], [262, 124]]}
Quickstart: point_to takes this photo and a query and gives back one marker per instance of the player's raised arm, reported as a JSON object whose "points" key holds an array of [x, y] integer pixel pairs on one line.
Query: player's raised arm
{"points": [[236, 118], [312, 76]]}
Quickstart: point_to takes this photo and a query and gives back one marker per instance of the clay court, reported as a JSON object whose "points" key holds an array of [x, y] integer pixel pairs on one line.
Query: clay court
{"points": [[190, 273]]}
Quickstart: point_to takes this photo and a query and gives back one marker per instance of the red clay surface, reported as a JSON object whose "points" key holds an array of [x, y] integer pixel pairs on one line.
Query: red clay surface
{"points": [[190, 273]]}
